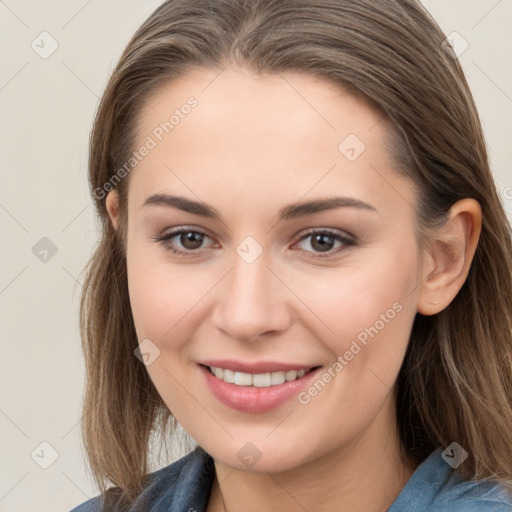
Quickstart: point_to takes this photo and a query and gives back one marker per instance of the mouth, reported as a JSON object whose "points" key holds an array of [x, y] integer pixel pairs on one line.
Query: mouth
{"points": [[256, 392], [259, 380]]}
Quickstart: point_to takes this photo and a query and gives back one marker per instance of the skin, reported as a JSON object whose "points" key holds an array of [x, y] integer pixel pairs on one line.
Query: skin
{"points": [[253, 145]]}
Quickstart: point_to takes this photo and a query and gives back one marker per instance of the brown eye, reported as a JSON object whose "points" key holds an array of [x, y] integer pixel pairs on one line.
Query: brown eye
{"points": [[191, 239], [323, 243], [183, 241]]}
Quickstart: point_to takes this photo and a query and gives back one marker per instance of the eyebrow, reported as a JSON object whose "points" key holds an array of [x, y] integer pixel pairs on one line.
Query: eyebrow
{"points": [[292, 211]]}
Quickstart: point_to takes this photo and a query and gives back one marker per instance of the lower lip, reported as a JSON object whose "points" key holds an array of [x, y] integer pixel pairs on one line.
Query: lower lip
{"points": [[251, 398]]}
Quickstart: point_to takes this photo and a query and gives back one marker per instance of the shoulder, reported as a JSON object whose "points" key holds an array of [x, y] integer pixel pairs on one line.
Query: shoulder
{"points": [[191, 475], [459, 494], [436, 486]]}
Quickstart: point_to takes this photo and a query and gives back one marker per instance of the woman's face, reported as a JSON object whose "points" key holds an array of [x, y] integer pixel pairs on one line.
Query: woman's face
{"points": [[264, 284]]}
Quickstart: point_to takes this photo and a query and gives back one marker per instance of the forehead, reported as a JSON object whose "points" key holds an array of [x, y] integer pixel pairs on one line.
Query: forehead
{"points": [[283, 134], [292, 105]]}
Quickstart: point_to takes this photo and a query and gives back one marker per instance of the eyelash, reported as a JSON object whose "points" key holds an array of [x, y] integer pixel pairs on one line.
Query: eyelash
{"points": [[165, 241]]}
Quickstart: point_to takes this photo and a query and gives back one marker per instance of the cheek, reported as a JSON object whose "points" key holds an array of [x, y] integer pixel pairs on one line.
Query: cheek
{"points": [[372, 292], [165, 297], [371, 309]]}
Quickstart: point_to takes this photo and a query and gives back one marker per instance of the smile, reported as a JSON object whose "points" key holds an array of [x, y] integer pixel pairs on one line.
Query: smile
{"points": [[259, 380], [255, 392]]}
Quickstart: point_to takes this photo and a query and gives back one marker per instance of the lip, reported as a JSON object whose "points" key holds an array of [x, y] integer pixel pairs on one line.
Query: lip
{"points": [[255, 367], [253, 399]]}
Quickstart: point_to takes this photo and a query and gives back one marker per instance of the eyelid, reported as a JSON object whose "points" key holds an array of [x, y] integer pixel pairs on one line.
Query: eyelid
{"points": [[346, 240], [331, 231], [164, 239]]}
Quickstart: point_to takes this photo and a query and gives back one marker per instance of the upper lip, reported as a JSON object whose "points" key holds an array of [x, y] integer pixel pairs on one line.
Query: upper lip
{"points": [[256, 367]]}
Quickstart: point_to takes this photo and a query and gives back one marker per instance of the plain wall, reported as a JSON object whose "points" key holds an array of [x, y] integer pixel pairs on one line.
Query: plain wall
{"points": [[47, 106]]}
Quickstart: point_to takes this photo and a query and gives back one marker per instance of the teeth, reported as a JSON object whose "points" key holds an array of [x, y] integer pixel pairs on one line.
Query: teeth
{"points": [[243, 379], [290, 375], [277, 378], [229, 376], [259, 380]]}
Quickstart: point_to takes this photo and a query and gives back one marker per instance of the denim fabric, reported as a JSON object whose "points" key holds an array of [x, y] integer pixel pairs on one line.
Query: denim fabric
{"points": [[436, 487], [185, 486], [182, 486]]}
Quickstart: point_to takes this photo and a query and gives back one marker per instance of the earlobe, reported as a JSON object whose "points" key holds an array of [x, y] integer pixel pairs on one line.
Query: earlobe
{"points": [[112, 205], [450, 253]]}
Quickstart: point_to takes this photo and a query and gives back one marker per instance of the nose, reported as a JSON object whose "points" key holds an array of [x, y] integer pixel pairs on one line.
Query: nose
{"points": [[252, 301]]}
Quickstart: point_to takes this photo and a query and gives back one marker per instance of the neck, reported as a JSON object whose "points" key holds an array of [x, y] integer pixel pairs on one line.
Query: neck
{"points": [[366, 475]]}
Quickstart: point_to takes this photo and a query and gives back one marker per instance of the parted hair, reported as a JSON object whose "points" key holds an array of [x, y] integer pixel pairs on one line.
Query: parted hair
{"points": [[455, 383]]}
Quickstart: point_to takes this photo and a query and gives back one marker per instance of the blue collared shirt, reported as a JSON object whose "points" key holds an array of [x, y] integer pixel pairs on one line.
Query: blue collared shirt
{"points": [[185, 486]]}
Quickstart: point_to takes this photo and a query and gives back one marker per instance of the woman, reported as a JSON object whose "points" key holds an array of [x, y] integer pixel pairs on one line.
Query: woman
{"points": [[304, 263]]}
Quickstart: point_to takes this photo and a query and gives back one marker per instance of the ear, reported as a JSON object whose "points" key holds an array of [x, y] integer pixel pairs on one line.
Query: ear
{"points": [[448, 257], [112, 205]]}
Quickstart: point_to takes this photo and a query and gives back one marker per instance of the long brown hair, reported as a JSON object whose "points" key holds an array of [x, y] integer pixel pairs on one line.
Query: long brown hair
{"points": [[456, 380]]}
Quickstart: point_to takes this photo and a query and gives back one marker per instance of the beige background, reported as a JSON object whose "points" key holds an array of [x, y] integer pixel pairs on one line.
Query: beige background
{"points": [[47, 107]]}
